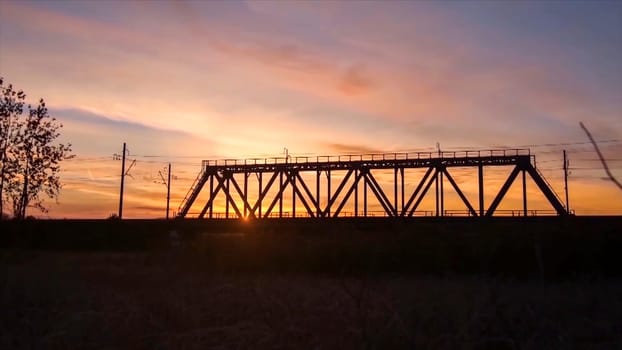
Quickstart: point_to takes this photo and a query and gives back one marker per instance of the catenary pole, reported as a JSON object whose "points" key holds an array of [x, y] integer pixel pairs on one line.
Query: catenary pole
{"points": [[168, 190], [566, 181], [122, 182]]}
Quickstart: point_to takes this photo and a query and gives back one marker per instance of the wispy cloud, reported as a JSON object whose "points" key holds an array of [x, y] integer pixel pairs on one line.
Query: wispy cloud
{"points": [[341, 148], [237, 79]]}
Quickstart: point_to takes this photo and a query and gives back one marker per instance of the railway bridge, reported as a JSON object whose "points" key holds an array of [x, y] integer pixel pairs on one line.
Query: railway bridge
{"points": [[229, 179]]}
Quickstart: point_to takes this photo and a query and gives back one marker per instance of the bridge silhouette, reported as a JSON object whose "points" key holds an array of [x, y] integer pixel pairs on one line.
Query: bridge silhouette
{"points": [[229, 178]]}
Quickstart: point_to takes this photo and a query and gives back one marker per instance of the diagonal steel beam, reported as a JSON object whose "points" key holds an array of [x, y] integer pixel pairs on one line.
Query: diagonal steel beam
{"points": [[380, 195], [211, 198], [416, 193], [546, 190], [240, 193], [336, 194], [276, 198], [263, 194], [423, 193], [349, 193], [293, 182], [503, 191], [308, 192], [462, 196], [192, 195], [228, 195]]}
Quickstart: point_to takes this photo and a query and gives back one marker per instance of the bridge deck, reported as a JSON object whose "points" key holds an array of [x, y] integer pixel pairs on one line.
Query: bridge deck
{"points": [[370, 161]]}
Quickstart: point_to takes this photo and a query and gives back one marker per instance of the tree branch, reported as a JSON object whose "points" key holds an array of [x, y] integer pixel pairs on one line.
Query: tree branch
{"points": [[600, 155]]}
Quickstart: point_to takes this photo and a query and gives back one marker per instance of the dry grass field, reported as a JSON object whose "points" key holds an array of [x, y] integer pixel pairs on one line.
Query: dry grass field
{"points": [[174, 300], [551, 283]]}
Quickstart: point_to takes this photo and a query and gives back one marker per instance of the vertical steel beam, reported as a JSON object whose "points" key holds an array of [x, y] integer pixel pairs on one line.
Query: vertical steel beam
{"points": [[259, 193], [442, 191], [226, 194], [480, 177], [294, 189], [211, 194], [395, 191], [281, 188], [317, 191], [356, 192], [245, 197], [402, 188], [436, 190], [524, 194], [364, 194], [328, 198]]}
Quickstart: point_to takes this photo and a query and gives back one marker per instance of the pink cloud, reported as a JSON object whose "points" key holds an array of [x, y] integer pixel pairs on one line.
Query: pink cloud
{"points": [[400, 83]]}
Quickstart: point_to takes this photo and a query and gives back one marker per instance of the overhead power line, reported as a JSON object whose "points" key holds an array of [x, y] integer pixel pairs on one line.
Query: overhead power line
{"points": [[570, 143]]}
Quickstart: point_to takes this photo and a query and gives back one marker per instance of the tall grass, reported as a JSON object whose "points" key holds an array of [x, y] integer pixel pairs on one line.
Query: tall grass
{"points": [[170, 300]]}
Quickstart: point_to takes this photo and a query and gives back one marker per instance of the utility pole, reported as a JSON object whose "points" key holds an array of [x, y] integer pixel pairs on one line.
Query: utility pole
{"points": [[168, 190], [122, 182], [168, 187], [123, 174], [566, 163]]}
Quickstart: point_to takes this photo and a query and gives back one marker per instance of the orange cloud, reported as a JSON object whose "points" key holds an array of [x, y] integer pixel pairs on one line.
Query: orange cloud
{"points": [[250, 83]]}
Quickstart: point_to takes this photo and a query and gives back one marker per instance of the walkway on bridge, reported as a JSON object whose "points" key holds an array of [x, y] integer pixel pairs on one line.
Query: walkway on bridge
{"points": [[351, 171]]}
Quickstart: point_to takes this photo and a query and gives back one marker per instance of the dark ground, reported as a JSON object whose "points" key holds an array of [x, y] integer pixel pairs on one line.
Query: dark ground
{"points": [[461, 284]]}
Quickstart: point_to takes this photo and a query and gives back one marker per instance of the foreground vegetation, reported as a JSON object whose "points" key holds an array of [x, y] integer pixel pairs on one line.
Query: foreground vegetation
{"points": [[461, 284], [542, 248], [154, 300]]}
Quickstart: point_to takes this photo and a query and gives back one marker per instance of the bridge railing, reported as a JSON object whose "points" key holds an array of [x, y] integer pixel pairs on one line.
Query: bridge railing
{"points": [[289, 214], [368, 157], [417, 213], [507, 212]]}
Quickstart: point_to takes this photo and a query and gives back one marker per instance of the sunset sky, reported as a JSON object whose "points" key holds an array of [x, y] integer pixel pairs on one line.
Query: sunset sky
{"points": [[184, 81]]}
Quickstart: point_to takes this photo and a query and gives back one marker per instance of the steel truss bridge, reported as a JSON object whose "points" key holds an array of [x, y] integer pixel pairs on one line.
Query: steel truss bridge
{"points": [[229, 178]]}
